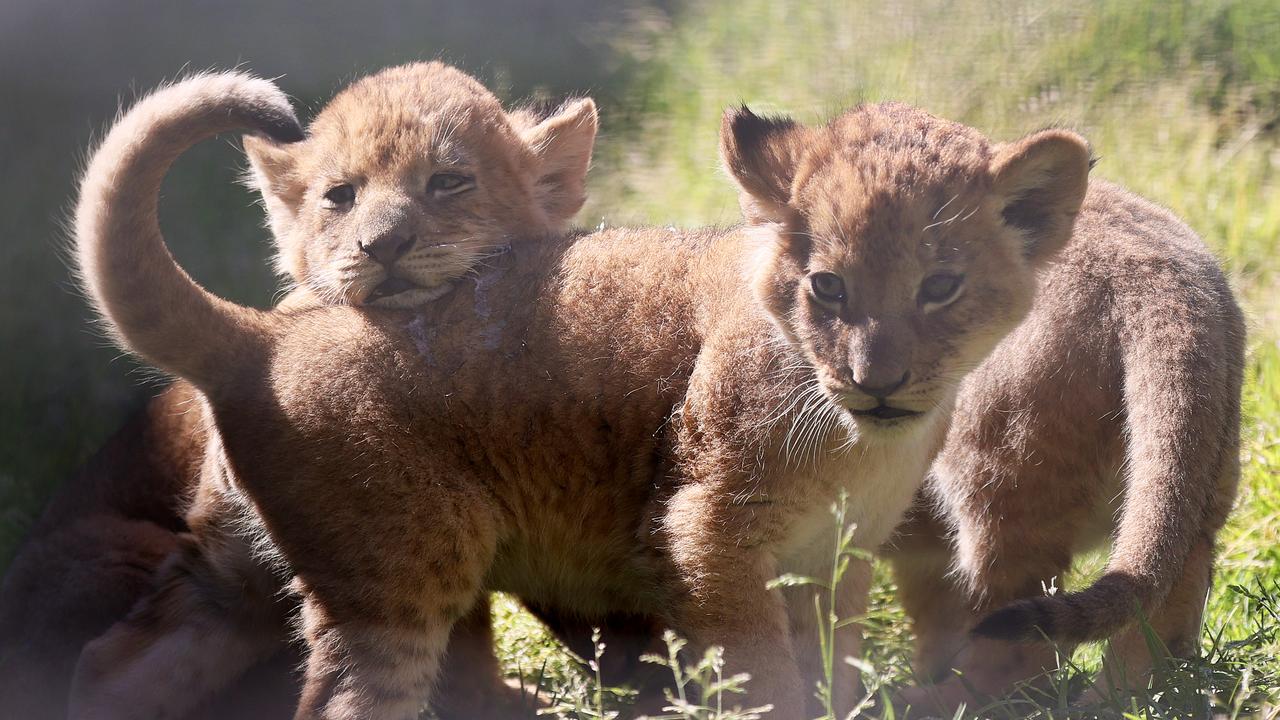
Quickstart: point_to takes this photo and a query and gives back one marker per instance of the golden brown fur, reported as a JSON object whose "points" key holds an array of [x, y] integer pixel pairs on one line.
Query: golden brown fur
{"points": [[612, 422], [1114, 408], [395, 132]]}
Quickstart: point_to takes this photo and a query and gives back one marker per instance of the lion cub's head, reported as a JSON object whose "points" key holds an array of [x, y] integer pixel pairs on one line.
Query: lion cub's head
{"points": [[898, 248], [409, 177]]}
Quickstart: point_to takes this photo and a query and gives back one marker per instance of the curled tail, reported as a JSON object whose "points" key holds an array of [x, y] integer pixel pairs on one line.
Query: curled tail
{"points": [[151, 305], [1183, 364]]}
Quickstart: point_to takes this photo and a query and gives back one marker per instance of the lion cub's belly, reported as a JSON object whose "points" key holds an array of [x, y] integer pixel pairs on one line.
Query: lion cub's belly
{"points": [[589, 575], [587, 554], [579, 548]]}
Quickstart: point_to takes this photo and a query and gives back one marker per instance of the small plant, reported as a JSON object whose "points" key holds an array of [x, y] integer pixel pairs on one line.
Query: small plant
{"points": [[700, 689], [586, 700]]}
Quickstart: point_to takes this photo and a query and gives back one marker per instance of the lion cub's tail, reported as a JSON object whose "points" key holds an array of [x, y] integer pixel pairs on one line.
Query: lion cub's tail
{"points": [[150, 305]]}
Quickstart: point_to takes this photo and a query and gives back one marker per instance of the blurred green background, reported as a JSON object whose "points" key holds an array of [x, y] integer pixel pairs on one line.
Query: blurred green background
{"points": [[1181, 101]]}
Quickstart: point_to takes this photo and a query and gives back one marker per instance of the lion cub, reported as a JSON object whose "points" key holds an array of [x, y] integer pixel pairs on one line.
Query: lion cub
{"points": [[403, 183], [1113, 410]]}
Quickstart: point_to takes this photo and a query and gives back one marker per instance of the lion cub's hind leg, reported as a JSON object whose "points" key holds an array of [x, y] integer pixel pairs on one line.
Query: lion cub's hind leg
{"points": [[376, 640], [471, 685], [214, 614], [1175, 624]]}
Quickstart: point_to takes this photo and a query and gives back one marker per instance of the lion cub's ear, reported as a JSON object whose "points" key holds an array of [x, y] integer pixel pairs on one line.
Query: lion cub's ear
{"points": [[273, 172], [762, 155], [561, 146], [1041, 181]]}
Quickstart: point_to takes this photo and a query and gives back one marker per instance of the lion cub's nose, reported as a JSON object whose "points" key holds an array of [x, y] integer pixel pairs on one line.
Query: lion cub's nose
{"points": [[387, 249], [878, 387]]}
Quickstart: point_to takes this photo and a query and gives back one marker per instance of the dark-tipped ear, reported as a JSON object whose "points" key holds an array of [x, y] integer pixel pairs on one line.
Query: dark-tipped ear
{"points": [[273, 173], [1041, 182], [761, 154], [562, 145]]}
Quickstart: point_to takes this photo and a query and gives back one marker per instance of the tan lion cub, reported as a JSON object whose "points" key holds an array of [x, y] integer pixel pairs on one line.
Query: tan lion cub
{"points": [[402, 184], [634, 421], [1114, 409]]}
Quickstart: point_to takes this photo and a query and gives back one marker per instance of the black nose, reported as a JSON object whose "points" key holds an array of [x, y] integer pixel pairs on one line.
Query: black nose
{"points": [[881, 390], [387, 249]]}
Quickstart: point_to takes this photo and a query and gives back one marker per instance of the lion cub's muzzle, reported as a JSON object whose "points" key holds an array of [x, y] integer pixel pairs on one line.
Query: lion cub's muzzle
{"points": [[386, 250], [881, 391], [871, 397]]}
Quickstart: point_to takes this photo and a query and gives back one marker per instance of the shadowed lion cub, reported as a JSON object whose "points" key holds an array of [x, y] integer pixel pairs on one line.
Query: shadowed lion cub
{"points": [[637, 421]]}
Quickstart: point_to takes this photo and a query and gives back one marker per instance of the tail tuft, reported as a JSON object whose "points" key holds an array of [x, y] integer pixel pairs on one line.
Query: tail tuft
{"points": [[1022, 621], [1093, 613], [273, 116]]}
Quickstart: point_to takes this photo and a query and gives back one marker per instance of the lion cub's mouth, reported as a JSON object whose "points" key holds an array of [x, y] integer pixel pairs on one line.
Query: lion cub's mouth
{"points": [[886, 412], [390, 287]]}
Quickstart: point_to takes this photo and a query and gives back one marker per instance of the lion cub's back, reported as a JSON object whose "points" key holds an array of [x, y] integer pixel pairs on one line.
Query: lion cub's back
{"points": [[1053, 393], [594, 335]]}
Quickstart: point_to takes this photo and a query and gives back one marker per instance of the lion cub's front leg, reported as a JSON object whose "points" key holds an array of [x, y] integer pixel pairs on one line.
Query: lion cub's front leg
{"points": [[471, 685], [726, 600], [851, 596], [377, 631], [367, 670]]}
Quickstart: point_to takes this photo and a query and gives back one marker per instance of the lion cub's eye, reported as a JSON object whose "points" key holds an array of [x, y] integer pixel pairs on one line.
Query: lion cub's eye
{"points": [[445, 183], [940, 288], [827, 287], [340, 197]]}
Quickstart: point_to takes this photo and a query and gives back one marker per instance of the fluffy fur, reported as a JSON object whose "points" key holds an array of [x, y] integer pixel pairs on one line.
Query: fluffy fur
{"points": [[389, 138], [1114, 409], [613, 422]]}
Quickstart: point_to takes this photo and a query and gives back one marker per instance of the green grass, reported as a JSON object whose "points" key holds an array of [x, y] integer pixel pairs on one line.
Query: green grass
{"points": [[1181, 102]]}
